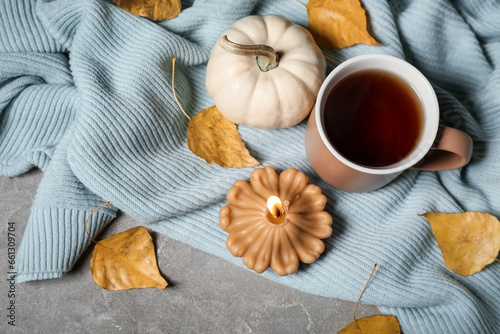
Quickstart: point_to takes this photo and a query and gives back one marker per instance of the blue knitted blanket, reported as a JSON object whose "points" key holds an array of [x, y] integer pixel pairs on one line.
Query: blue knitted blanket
{"points": [[85, 95]]}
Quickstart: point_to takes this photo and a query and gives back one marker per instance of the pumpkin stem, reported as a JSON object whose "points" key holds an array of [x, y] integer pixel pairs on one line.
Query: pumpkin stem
{"points": [[267, 58]]}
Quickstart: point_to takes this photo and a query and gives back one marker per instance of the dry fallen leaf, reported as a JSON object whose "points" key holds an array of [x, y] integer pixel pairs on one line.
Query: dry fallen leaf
{"points": [[377, 324], [126, 260], [469, 241], [216, 139], [157, 10], [337, 24], [382, 324]]}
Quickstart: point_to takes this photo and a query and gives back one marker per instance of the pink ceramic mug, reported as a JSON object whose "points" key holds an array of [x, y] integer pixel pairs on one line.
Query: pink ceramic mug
{"points": [[437, 148]]}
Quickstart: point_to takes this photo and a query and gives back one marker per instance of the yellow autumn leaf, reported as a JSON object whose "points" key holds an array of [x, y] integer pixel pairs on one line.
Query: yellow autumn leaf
{"points": [[377, 324], [126, 260], [469, 241], [214, 138], [337, 24], [157, 10]]}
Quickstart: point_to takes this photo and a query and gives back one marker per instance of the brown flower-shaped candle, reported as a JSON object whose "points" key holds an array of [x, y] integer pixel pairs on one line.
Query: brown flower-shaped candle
{"points": [[275, 220]]}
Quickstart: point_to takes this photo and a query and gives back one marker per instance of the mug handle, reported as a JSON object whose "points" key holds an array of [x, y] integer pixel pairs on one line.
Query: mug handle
{"points": [[451, 149]]}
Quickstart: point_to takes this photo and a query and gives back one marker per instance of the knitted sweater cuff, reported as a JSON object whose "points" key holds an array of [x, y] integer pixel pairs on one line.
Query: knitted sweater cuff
{"points": [[54, 239]]}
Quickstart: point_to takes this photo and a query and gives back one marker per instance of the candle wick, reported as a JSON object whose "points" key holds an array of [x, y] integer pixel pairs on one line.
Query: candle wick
{"points": [[278, 213]]}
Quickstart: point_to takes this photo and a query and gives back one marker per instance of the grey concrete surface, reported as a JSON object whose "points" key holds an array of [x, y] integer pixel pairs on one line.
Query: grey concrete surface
{"points": [[206, 294]]}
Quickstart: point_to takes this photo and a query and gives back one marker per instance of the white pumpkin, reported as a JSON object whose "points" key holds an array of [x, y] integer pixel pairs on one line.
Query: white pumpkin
{"points": [[246, 92]]}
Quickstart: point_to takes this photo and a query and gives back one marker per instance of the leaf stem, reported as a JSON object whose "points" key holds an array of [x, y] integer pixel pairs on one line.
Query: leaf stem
{"points": [[87, 220], [173, 89], [356, 307], [301, 3], [267, 58]]}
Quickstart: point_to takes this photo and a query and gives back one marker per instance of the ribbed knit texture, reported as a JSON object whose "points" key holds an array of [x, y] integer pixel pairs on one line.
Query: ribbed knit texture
{"points": [[85, 94]]}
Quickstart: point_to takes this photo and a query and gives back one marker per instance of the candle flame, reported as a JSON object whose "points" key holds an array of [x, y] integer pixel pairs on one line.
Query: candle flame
{"points": [[275, 207]]}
